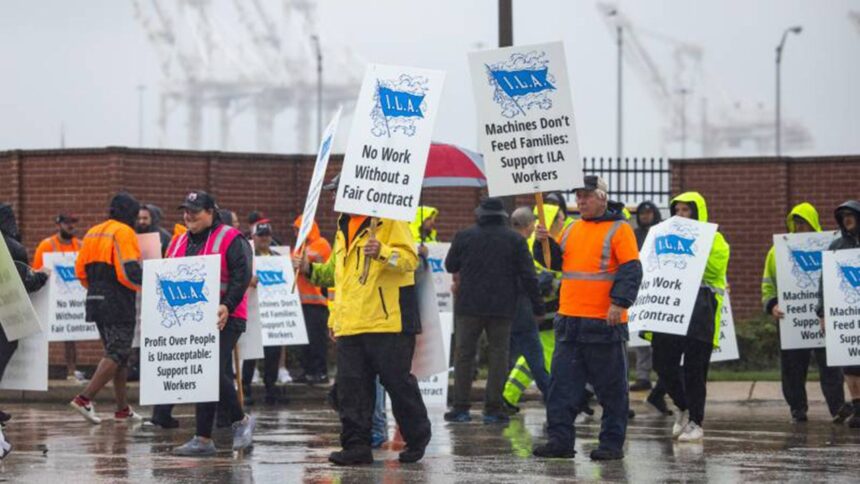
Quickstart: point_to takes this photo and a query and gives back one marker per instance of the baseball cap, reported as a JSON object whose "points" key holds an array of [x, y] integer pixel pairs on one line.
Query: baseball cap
{"points": [[263, 229], [593, 182], [198, 200]]}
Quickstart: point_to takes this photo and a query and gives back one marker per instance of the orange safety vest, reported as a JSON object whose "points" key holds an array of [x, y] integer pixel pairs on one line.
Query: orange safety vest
{"points": [[318, 250], [53, 244], [111, 243], [592, 252]]}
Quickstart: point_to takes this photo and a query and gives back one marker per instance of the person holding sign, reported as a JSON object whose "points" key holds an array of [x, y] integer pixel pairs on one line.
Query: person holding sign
{"points": [[108, 265], [423, 228], [271, 354], [63, 241], [794, 363], [374, 326], [207, 235], [601, 274], [848, 218], [32, 280], [524, 372], [687, 384], [314, 308]]}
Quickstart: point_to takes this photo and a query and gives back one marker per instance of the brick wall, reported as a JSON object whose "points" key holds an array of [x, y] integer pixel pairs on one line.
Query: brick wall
{"points": [[40, 184], [750, 197], [747, 197]]}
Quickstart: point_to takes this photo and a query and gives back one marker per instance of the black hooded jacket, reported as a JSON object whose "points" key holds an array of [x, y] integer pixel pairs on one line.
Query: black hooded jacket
{"points": [[641, 230], [33, 281], [847, 241], [155, 226], [494, 263]]}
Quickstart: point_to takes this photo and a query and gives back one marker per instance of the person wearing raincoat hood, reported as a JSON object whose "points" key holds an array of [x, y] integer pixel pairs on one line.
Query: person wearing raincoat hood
{"points": [[687, 384], [794, 364], [848, 218]]}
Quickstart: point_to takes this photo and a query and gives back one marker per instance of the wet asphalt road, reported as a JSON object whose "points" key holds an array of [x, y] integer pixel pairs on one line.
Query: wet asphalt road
{"points": [[742, 443]]}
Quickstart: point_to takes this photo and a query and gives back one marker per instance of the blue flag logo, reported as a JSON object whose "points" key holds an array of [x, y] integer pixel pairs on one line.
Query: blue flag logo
{"points": [[674, 245], [182, 293], [807, 260], [435, 265], [66, 273], [852, 275], [271, 278], [522, 82], [400, 103]]}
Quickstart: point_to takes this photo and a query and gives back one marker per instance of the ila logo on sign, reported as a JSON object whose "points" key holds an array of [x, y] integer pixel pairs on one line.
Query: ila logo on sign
{"points": [[521, 83], [400, 103], [271, 278], [182, 295]]}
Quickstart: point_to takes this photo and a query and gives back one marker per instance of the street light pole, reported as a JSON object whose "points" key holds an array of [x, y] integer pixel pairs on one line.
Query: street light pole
{"points": [[620, 115], [797, 29], [683, 92], [316, 41], [140, 89]]}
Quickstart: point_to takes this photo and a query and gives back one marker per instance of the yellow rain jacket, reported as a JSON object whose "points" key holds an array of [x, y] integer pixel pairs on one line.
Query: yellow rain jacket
{"points": [[387, 302]]}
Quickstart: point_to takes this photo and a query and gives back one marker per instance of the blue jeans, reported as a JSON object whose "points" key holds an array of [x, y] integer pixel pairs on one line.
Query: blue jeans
{"points": [[379, 418], [579, 358], [527, 344]]}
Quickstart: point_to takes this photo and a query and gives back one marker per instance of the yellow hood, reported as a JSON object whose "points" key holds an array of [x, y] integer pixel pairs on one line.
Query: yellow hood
{"points": [[805, 211]]}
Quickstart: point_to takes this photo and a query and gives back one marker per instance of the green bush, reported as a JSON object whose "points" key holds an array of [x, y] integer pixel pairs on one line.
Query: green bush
{"points": [[758, 344]]}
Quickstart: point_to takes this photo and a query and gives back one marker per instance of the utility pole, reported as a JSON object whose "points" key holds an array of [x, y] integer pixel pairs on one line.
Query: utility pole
{"points": [[797, 29], [506, 39]]}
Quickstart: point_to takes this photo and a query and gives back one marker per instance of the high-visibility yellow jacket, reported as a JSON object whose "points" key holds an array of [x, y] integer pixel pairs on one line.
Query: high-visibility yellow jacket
{"points": [[807, 212], [717, 266], [424, 213], [387, 302]]}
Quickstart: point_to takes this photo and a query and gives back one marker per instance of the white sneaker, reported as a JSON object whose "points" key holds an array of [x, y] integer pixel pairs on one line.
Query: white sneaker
{"points": [[284, 376], [130, 416], [87, 411], [681, 421], [256, 377], [692, 433]]}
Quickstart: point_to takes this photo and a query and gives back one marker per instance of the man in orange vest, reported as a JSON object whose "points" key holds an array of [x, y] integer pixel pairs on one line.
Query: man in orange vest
{"points": [[63, 241], [109, 267], [314, 308], [601, 273]]}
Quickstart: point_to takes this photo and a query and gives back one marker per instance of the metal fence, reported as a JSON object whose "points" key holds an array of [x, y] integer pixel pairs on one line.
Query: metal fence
{"points": [[633, 180]]}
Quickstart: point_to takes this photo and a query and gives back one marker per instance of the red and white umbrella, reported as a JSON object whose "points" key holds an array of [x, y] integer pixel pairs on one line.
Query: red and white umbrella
{"points": [[453, 166]]}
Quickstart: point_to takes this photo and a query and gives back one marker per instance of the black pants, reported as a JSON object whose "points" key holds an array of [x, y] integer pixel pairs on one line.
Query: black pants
{"points": [[271, 359], [228, 399], [468, 330], [686, 385], [794, 365], [313, 355], [7, 349], [360, 358]]}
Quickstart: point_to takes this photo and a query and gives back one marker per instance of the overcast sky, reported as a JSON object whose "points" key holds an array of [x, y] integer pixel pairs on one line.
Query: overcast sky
{"points": [[78, 64]]}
